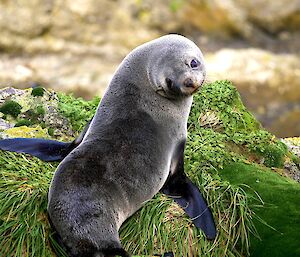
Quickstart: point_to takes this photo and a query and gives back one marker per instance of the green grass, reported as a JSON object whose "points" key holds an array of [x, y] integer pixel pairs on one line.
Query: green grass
{"points": [[222, 133], [161, 226], [158, 227], [24, 185]]}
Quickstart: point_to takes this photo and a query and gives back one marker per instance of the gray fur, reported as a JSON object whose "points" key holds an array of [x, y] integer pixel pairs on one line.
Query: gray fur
{"points": [[126, 154]]}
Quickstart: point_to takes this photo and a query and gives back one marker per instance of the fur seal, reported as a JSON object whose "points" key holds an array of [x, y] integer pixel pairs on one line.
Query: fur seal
{"points": [[133, 148]]}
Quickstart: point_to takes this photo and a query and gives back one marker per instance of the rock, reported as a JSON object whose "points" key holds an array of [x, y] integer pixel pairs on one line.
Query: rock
{"points": [[25, 132], [293, 144], [32, 20], [216, 17], [292, 168], [76, 45], [271, 16], [43, 25], [259, 69], [86, 76], [258, 21], [4, 125], [10, 92], [36, 110], [273, 77]]}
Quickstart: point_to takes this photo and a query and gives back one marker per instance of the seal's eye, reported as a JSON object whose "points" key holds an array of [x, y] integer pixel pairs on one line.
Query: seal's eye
{"points": [[194, 64]]}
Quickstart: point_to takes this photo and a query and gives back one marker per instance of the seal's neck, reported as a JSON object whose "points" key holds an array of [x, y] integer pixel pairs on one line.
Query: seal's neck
{"points": [[131, 88]]}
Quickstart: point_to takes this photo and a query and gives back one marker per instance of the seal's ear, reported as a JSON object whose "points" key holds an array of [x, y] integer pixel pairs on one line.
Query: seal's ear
{"points": [[187, 195], [46, 150]]}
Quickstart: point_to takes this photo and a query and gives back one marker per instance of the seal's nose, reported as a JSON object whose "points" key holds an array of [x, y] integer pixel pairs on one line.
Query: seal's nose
{"points": [[189, 83]]}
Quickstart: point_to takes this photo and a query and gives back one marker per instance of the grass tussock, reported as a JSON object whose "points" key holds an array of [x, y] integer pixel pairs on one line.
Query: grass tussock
{"points": [[161, 226]]}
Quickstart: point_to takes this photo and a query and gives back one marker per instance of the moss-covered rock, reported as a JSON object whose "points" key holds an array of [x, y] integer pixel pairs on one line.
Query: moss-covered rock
{"points": [[237, 164], [27, 132], [77, 110], [38, 106], [241, 152], [234, 135]]}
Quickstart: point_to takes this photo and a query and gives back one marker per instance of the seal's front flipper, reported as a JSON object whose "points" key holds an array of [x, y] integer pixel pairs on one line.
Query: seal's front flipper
{"points": [[46, 150], [180, 188], [187, 195], [115, 252]]}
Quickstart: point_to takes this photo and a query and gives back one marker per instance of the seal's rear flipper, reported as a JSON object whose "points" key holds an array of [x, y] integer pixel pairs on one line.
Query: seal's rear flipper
{"points": [[187, 195], [46, 150]]}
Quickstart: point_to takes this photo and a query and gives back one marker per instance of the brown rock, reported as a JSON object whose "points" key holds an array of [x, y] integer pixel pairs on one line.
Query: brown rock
{"points": [[268, 83]]}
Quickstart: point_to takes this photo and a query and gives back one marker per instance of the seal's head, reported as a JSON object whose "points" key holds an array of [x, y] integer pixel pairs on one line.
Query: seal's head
{"points": [[176, 66]]}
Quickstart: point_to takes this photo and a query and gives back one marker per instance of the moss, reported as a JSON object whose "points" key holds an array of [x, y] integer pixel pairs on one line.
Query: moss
{"points": [[275, 155], [223, 98], [38, 91], [43, 124], [27, 132], [295, 159], [35, 116], [206, 149], [11, 107], [233, 133], [51, 132], [23, 123], [77, 110], [32, 115], [40, 110], [280, 231]]}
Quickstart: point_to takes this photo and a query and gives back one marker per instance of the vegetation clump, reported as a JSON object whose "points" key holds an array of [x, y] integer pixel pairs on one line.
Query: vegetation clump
{"points": [[77, 110], [23, 122], [234, 134], [38, 91], [11, 107]]}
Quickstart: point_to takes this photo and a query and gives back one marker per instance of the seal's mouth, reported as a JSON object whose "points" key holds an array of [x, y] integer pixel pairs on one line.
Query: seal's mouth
{"points": [[161, 92], [168, 91], [187, 87], [172, 89], [191, 86]]}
